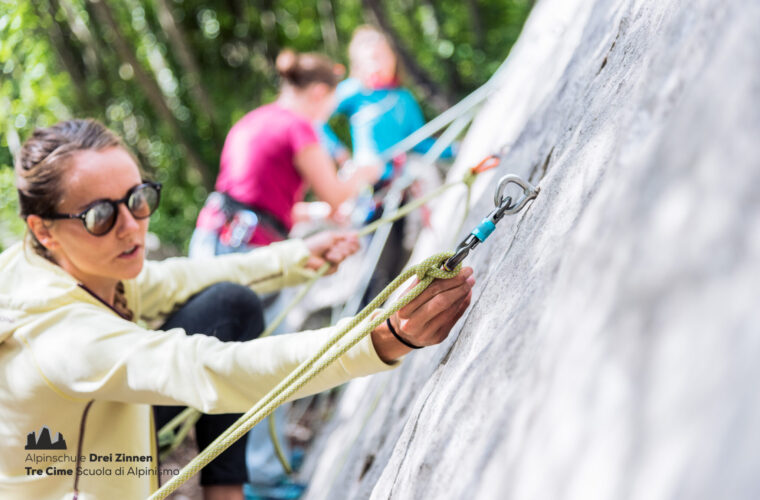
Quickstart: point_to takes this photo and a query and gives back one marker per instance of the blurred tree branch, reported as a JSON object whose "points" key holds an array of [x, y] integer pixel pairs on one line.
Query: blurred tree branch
{"points": [[61, 38], [451, 71]]}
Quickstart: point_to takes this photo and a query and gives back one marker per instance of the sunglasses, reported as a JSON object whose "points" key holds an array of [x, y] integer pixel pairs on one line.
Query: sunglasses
{"points": [[100, 217]]}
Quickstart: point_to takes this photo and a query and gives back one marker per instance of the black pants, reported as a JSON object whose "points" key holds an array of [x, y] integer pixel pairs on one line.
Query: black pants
{"points": [[229, 312]]}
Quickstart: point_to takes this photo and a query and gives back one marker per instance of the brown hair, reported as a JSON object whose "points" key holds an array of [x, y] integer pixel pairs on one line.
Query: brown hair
{"points": [[302, 70], [42, 162]]}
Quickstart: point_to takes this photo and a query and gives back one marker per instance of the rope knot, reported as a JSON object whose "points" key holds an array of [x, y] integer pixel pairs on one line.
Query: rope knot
{"points": [[431, 267]]}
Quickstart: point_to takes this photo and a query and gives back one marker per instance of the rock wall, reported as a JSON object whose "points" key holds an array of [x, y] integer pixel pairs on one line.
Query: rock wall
{"points": [[612, 347]]}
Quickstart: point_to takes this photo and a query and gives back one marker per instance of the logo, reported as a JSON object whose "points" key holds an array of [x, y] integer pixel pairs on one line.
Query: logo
{"points": [[42, 440]]}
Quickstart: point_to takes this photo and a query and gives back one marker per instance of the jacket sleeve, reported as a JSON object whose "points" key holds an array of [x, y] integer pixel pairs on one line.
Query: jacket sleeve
{"points": [[90, 354], [163, 285]]}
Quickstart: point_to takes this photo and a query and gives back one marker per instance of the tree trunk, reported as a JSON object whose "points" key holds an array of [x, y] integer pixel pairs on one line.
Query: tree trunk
{"points": [[60, 38], [476, 23], [451, 71], [268, 27], [327, 24], [151, 89], [178, 42]]}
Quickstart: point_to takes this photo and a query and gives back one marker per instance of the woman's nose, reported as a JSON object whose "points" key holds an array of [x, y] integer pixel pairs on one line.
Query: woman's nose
{"points": [[126, 222]]}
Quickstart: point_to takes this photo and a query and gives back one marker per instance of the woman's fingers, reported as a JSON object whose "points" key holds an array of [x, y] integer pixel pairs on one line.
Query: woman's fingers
{"points": [[343, 245], [433, 318], [444, 304], [435, 288], [443, 323], [438, 311], [333, 247]]}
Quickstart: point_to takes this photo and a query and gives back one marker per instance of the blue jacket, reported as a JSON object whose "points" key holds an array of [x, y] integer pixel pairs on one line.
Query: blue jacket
{"points": [[379, 119]]}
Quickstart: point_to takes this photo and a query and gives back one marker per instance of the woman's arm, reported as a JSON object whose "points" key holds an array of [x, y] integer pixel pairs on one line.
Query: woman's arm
{"points": [[93, 354], [162, 285], [316, 167], [86, 352]]}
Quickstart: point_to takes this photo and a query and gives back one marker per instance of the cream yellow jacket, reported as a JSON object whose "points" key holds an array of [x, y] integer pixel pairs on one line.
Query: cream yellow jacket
{"points": [[71, 365]]}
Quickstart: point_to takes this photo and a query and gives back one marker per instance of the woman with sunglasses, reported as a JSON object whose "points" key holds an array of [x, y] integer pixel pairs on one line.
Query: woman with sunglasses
{"points": [[80, 368]]}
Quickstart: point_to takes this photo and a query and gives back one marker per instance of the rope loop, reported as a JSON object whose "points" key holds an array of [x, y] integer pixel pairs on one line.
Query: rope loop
{"points": [[487, 163]]}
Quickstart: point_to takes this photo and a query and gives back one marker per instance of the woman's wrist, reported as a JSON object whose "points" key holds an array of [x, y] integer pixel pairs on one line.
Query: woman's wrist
{"points": [[399, 337], [387, 346]]}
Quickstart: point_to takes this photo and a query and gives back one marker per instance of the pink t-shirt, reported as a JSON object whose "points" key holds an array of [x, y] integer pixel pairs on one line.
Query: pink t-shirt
{"points": [[257, 161]]}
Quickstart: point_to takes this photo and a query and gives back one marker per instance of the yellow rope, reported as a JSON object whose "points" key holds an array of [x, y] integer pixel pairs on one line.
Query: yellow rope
{"points": [[426, 271], [187, 418]]}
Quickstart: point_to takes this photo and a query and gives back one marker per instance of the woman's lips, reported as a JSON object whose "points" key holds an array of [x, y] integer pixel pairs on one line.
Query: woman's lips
{"points": [[130, 253]]}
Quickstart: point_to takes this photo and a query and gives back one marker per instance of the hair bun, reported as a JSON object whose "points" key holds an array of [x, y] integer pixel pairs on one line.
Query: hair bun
{"points": [[302, 70], [286, 63]]}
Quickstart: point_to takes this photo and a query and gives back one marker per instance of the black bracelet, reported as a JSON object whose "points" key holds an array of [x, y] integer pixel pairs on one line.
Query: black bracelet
{"points": [[398, 337]]}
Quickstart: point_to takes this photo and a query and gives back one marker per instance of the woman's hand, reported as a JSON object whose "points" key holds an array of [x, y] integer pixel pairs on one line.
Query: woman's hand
{"points": [[428, 319], [332, 247]]}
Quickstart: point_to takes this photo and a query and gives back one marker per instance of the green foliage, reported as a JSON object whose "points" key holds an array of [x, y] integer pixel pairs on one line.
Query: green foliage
{"points": [[172, 76], [11, 226]]}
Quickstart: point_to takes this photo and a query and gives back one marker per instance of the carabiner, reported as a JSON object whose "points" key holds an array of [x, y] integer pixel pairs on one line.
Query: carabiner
{"points": [[467, 244], [503, 202]]}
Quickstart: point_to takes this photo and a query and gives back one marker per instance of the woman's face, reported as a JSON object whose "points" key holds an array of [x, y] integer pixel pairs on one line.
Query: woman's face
{"points": [[99, 261], [379, 64]]}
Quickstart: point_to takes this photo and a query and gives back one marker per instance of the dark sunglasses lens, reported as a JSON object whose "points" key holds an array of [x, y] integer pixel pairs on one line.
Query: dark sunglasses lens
{"points": [[99, 219], [143, 201]]}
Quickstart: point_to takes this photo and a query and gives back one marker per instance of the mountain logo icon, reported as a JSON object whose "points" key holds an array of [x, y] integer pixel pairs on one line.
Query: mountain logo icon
{"points": [[42, 440]]}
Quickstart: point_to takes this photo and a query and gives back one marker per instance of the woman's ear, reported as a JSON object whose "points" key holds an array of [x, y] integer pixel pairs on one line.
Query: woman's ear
{"points": [[41, 231]]}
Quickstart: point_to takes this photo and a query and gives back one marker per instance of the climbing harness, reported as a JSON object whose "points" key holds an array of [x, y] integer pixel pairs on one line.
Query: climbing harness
{"points": [[345, 338]]}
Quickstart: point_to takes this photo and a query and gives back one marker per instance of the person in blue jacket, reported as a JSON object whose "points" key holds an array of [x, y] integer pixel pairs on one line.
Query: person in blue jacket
{"points": [[381, 112]]}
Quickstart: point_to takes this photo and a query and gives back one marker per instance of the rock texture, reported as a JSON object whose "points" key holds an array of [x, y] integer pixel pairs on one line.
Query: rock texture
{"points": [[612, 349]]}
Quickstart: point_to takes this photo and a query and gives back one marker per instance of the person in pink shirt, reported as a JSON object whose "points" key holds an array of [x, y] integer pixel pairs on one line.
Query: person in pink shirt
{"points": [[270, 157]]}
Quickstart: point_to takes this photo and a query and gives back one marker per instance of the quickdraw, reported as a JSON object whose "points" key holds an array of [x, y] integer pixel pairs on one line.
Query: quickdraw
{"points": [[504, 206]]}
